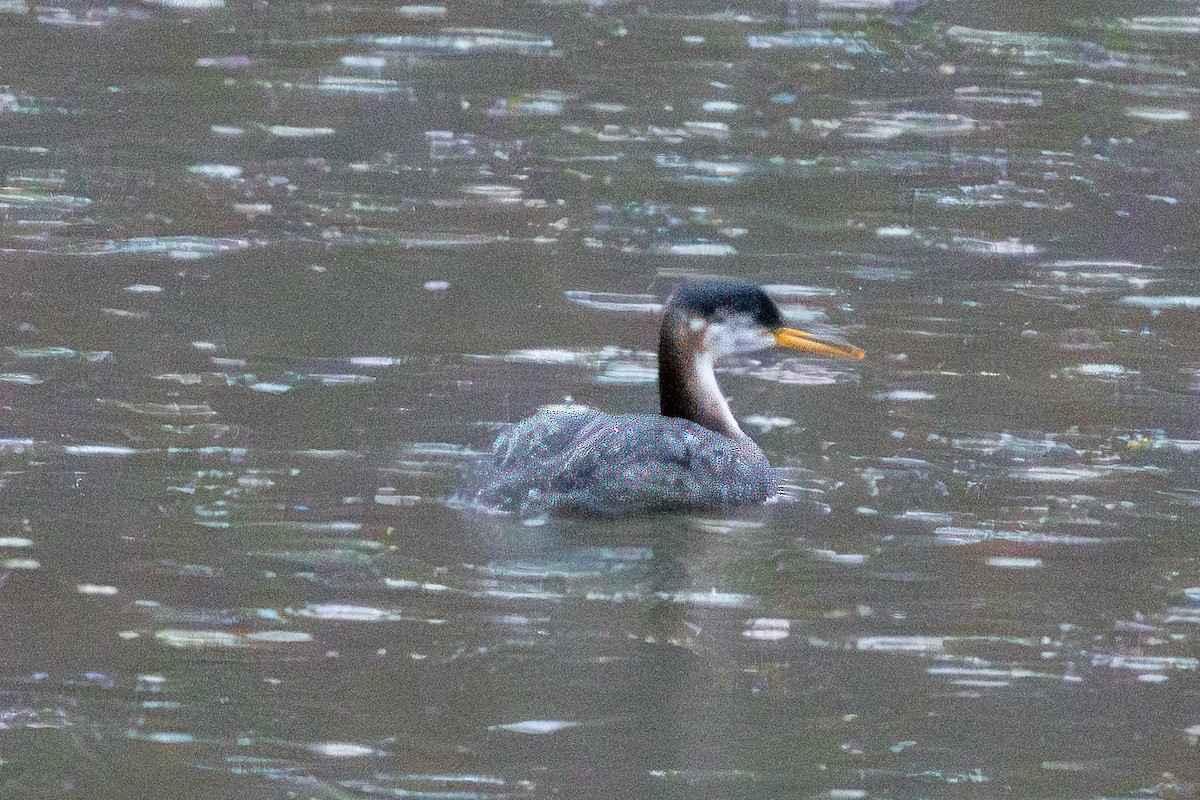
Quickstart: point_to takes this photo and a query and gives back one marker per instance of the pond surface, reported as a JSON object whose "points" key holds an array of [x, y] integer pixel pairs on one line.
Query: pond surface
{"points": [[275, 273]]}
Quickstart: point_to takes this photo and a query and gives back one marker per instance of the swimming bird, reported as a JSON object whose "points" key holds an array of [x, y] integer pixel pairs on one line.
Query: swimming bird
{"points": [[691, 456]]}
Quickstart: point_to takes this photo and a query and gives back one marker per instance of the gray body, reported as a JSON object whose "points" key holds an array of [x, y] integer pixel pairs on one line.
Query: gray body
{"points": [[576, 460]]}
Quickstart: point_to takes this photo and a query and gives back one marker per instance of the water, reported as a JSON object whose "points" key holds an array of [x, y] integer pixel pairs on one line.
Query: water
{"points": [[273, 273]]}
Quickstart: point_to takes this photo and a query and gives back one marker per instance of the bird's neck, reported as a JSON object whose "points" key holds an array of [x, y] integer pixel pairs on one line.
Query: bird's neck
{"points": [[687, 386]]}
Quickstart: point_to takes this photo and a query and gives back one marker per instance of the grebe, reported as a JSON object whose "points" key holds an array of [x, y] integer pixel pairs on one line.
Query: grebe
{"points": [[692, 456]]}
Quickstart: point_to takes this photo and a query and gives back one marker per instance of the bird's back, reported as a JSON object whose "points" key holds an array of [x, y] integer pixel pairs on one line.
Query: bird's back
{"points": [[574, 459]]}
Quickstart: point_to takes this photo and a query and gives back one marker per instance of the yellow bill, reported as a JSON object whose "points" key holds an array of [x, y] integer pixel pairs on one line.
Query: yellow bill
{"points": [[799, 340]]}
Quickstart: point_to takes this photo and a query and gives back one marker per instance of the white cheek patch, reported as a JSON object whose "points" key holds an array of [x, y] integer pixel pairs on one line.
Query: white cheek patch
{"points": [[735, 335]]}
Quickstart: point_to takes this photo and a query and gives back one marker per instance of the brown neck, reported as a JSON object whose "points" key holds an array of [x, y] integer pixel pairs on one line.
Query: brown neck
{"points": [[687, 388]]}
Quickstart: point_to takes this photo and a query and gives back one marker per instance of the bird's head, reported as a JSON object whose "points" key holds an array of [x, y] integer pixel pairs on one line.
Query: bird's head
{"points": [[721, 317]]}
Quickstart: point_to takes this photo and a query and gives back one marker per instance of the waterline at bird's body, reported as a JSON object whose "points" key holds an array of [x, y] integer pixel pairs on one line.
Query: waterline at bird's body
{"points": [[575, 459]]}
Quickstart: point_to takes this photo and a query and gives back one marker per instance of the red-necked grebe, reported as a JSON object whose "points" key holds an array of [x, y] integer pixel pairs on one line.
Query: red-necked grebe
{"points": [[692, 456]]}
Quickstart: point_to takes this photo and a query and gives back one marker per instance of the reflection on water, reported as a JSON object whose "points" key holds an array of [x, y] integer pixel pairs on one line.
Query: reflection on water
{"points": [[276, 273]]}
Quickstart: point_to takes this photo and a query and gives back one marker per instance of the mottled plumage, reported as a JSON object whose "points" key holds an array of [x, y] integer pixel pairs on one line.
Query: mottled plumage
{"points": [[577, 460]]}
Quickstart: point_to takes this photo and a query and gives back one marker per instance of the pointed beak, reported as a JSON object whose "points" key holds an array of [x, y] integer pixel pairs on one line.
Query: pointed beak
{"points": [[799, 340]]}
